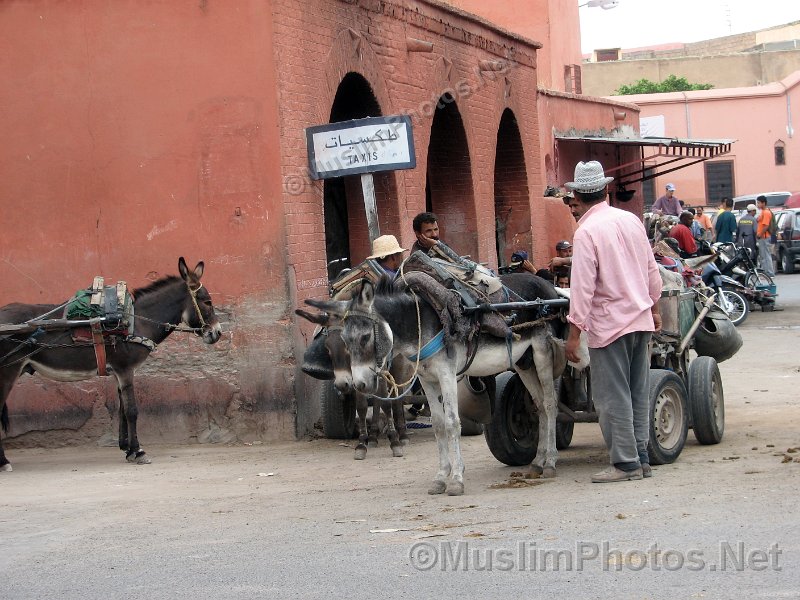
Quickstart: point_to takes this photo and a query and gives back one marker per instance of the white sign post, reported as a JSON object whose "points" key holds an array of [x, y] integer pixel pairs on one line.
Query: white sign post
{"points": [[362, 146]]}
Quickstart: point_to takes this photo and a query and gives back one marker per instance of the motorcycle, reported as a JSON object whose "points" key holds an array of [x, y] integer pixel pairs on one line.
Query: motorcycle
{"points": [[736, 263], [732, 297]]}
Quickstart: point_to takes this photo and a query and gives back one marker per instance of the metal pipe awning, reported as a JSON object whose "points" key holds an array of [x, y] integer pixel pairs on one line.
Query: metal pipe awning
{"points": [[677, 152]]}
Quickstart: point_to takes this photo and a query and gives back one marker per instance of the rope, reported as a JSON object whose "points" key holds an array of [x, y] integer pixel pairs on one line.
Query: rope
{"points": [[532, 324]]}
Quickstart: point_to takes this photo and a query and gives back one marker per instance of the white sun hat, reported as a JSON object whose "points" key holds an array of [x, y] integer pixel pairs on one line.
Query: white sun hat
{"points": [[589, 177], [385, 245]]}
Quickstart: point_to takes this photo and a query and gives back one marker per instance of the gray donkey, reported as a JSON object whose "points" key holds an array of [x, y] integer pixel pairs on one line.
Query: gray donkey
{"points": [[343, 381], [376, 326]]}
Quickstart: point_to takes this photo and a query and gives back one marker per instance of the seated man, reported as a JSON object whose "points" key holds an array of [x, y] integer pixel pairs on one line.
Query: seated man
{"points": [[560, 264], [426, 228], [388, 253], [562, 280], [683, 234]]}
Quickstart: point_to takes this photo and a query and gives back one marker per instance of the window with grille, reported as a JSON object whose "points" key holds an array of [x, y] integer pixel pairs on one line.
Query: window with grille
{"points": [[780, 152]]}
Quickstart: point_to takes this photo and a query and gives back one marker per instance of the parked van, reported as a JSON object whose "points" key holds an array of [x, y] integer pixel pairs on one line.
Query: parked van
{"points": [[774, 200]]}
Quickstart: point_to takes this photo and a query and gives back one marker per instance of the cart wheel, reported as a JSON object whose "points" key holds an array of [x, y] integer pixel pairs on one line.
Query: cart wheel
{"points": [[737, 307], [512, 435], [564, 433], [669, 419], [706, 400], [470, 427], [338, 413]]}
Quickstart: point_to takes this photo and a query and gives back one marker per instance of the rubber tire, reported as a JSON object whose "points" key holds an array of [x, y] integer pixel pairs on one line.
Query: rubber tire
{"points": [[564, 431], [717, 337], [759, 277], [512, 435], [787, 263], [667, 386], [470, 427], [705, 384], [742, 307], [338, 413]]}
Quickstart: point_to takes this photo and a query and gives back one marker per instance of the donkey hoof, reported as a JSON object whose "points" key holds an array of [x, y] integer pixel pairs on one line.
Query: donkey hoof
{"points": [[536, 470], [438, 487], [456, 488], [397, 451], [6, 467], [138, 458], [549, 472], [361, 453]]}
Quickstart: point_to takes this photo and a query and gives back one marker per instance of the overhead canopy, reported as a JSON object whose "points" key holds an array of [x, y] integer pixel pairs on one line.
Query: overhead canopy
{"points": [[677, 152]]}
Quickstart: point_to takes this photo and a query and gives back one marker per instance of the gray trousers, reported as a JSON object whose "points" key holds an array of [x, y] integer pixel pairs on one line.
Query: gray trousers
{"points": [[765, 256], [620, 375]]}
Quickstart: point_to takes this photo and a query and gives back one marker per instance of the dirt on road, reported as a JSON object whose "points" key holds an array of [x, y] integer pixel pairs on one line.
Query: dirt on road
{"points": [[303, 519]]}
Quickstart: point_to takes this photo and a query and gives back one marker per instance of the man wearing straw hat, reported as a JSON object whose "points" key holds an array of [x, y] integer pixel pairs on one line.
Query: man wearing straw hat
{"points": [[388, 253], [614, 299]]}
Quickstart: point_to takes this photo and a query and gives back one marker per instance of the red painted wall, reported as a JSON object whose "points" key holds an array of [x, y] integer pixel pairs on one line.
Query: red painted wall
{"points": [[134, 133], [553, 23], [583, 115]]}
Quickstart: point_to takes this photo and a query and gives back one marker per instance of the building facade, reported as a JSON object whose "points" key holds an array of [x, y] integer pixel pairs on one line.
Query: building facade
{"points": [[136, 133], [765, 156]]}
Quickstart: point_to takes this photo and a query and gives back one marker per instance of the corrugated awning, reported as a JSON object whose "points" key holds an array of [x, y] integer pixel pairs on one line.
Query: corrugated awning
{"points": [[684, 151]]}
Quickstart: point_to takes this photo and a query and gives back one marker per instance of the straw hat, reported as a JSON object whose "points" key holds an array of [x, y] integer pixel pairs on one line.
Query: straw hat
{"points": [[589, 177], [385, 245]]}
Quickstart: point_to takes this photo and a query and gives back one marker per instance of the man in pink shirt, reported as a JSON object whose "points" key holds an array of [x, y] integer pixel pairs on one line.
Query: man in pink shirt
{"points": [[614, 299]]}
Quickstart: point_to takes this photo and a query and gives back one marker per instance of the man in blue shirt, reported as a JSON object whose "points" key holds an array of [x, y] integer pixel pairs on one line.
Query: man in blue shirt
{"points": [[726, 222]]}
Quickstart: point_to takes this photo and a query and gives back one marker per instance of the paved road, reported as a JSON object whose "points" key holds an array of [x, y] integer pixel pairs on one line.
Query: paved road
{"points": [[303, 520]]}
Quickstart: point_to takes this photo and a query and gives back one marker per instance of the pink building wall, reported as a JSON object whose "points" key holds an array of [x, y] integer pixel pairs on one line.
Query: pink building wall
{"points": [[757, 117]]}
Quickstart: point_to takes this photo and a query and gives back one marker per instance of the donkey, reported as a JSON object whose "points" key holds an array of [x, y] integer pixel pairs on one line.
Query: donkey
{"points": [[376, 325], [159, 309], [343, 381]]}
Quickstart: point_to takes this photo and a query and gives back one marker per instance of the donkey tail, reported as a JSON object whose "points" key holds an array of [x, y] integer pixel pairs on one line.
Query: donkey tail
{"points": [[4, 418]]}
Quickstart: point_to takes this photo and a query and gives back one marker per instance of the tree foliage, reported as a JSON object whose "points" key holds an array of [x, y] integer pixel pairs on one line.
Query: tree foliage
{"points": [[670, 84]]}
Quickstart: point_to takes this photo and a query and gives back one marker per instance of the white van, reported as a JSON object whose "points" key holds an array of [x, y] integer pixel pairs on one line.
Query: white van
{"points": [[774, 200]]}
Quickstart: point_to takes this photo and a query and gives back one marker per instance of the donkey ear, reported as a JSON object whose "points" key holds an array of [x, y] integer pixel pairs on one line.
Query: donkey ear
{"points": [[318, 318], [367, 294], [183, 269], [332, 307], [198, 270]]}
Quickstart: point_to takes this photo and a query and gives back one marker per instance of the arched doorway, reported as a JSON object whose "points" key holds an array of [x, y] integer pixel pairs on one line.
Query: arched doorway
{"points": [[448, 189], [346, 235], [511, 199]]}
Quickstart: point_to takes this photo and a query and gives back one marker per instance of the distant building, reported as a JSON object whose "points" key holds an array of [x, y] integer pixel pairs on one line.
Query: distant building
{"points": [[742, 60], [767, 152]]}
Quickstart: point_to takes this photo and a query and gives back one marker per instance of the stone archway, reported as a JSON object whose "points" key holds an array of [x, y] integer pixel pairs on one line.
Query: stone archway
{"points": [[346, 235], [511, 195], [448, 190]]}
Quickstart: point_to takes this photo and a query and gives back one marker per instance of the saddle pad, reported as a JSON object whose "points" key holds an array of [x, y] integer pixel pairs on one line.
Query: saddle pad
{"points": [[343, 288]]}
